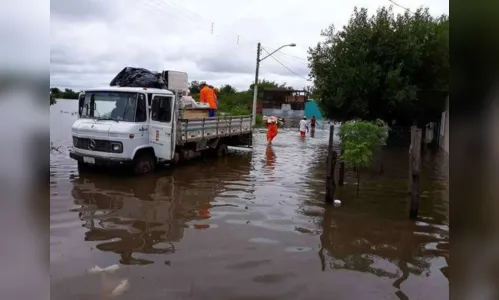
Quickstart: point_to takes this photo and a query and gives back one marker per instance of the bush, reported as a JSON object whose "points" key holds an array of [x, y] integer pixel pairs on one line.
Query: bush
{"points": [[359, 139]]}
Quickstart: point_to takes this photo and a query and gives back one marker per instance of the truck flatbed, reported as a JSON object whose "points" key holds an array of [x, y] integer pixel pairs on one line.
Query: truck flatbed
{"points": [[192, 130]]}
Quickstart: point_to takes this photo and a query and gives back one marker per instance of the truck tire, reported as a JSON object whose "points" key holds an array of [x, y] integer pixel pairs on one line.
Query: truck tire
{"points": [[144, 163], [221, 150]]}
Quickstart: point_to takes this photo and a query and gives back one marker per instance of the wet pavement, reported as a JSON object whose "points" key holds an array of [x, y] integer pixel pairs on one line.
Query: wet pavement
{"points": [[252, 225]]}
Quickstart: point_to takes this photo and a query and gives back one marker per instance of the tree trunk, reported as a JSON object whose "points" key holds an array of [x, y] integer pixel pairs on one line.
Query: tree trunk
{"points": [[358, 181], [341, 175], [414, 166]]}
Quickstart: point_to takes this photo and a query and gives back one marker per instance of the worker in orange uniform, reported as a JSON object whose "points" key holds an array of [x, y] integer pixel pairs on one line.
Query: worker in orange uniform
{"points": [[271, 129], [207, 95], [216, 91]]}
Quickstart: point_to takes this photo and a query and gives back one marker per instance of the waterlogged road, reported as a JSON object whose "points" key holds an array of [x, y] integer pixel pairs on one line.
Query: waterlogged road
{"points": [[252, 225]]}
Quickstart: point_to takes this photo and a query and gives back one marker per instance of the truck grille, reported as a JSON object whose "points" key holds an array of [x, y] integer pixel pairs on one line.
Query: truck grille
{"points": [[92, 145]]}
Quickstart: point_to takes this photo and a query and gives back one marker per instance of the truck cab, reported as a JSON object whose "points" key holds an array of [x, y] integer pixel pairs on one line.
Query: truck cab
{"points": [[125, 126]]}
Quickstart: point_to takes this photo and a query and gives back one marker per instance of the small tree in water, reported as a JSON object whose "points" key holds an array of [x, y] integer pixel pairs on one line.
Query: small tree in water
{"points": [[359, 139]]}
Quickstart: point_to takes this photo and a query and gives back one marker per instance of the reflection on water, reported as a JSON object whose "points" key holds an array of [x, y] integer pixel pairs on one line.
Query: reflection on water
{"points": [[147, 215], [127, 220], [252, 222]]}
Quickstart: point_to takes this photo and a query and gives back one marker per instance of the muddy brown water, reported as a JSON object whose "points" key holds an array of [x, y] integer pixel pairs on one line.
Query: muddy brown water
{"points": [[252, 225]]}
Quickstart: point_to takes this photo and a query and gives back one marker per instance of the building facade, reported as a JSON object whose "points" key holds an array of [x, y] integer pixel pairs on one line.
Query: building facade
{"points": [[283, 103]]}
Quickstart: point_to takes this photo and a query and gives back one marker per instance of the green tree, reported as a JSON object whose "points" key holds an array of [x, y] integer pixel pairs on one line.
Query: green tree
{"points": [[263, 84], [194, 87], [227, 89], [394, 68], [56, 93], [311, 90], [70, 94], [359, 139]]}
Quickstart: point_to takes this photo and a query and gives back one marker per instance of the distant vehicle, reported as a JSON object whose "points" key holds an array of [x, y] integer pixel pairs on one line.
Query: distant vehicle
{"points": [[143, 127]]}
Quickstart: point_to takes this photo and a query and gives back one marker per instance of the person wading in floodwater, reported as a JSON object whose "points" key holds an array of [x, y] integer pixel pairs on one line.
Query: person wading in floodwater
{"points": [[312, 126], [271, 129], [303, 126], [312, 122]]}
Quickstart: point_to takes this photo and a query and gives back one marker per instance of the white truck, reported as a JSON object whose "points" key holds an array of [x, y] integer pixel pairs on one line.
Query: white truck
{"points": [[143, 127]]}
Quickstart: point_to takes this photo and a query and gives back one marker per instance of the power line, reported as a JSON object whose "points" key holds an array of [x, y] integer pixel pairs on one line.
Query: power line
{"points": [[285, 65], [186, 16], [295, 57], [176, 13], [237, 36], [401, 6]]}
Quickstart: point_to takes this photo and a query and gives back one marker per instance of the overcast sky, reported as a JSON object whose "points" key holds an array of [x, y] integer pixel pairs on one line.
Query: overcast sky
{"points": [[92, 40]]}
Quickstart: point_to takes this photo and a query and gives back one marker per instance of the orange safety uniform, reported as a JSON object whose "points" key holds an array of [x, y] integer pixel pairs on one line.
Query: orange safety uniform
{"points": [[271, 131], [207, 95]]}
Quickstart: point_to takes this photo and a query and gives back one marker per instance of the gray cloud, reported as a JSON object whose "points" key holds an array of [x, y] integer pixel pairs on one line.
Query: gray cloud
{"points": [[92, 40], [84, 10], [233, 63]]}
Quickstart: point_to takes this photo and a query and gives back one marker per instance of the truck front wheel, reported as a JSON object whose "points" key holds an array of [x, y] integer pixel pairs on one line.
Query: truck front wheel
{"points": [[144, 163]]}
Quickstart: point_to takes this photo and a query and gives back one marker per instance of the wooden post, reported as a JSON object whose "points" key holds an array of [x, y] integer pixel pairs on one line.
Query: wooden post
{"points": [[415, 166], [331, 163], [423, 139], [341, 175], [409, 182]]}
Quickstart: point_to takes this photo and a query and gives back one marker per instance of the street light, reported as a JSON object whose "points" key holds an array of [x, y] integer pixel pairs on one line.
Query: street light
{"points": [[258, 60]]}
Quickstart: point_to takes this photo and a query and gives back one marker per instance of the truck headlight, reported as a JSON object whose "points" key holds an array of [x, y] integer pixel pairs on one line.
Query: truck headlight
{"points": [[117, 147]]}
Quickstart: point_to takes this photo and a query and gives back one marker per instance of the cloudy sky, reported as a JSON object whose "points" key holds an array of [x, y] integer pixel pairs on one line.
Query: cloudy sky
{"points": [[92, 40]]}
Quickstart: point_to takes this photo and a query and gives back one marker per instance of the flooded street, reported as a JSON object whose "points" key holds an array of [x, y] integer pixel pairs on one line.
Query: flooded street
{"points": [[252, 225]]}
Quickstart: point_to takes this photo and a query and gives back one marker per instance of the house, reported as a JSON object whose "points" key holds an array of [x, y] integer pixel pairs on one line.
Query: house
{"points": [[284, 103]]}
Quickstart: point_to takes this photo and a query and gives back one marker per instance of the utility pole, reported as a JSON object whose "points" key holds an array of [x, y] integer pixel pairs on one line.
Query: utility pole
{"points": [[255, 85]]}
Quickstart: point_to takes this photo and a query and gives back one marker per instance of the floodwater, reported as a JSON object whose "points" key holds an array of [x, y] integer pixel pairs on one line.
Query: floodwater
{"points": [[252, 225]]}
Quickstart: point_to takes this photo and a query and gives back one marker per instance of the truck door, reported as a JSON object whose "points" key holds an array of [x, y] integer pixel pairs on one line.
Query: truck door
{"points": [[161, 125], [81, 102]]}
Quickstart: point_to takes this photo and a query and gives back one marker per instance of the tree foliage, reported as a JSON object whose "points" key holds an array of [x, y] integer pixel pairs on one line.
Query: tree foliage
{"points": [[194, 87], [227, 89], [394, 68], [56, 93], [359, 140], [266, 84]]}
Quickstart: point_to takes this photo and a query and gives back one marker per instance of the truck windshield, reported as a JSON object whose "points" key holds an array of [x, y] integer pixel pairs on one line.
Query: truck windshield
{"points": [[117, 106]]}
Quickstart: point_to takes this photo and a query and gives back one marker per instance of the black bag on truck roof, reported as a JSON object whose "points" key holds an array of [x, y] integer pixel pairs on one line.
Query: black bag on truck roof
{"points": [[138, 77]]}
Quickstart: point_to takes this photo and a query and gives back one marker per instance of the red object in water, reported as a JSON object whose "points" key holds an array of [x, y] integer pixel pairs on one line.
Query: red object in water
{"points": [[204, 212], [202, 226], [271, 131]]}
